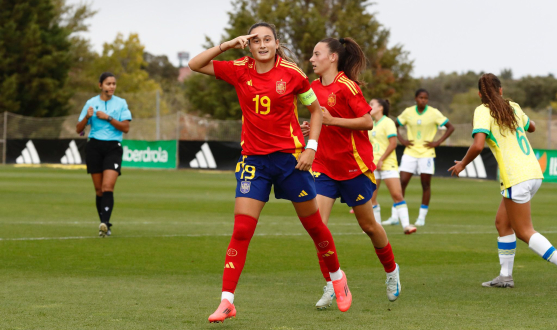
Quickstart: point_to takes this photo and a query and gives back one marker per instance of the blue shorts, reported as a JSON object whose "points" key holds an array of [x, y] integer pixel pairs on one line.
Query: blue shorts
{"points": [[256, 174], [353, 192]]}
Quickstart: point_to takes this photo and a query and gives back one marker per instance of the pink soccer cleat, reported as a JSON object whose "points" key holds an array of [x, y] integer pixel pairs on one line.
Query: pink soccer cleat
{"points": [[224, 311], [344, 297]]}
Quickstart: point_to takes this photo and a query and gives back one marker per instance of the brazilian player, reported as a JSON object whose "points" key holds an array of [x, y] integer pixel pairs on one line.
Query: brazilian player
{"points": [[503, 125], [109, 118], [422, 122]]}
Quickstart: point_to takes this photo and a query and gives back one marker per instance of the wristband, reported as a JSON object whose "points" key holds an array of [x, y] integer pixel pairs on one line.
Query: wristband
{"points": [[312, 144], [109, 119]]}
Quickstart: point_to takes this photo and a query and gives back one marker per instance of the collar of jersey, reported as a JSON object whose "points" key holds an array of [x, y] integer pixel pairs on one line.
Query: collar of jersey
{"points": [[337, 77], [423, 111], [380, 120], [277, 62]]}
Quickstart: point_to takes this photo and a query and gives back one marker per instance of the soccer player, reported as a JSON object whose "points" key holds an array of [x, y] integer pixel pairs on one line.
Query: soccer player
{"points": [[343, 165], [383, 139], [503, 125], [109, 118], [272, 151], [422, 122]]}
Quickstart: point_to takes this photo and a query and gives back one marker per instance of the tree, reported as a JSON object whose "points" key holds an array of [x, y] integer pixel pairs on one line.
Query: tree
{"points": [[301, 24], [35, 59]]}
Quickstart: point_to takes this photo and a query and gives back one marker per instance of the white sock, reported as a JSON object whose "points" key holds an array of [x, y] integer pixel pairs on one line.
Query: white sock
{"points": [[329, 284], [507, 251], [543, 248], [402, 211], [228, 296], [394, 214], [336, 275], [423, 211], [377, 212]]}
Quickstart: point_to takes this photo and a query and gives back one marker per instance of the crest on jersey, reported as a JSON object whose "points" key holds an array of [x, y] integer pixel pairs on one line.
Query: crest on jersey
{"points": [[373, 133], [281, 87], [245, 187], [419, 121], [332, 100]]}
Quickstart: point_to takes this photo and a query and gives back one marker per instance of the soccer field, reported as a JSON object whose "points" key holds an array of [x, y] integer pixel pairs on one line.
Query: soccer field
{"points": [[162, 267]]}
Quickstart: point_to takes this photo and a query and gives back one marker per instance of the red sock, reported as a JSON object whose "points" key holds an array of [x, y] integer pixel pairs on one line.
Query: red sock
{"points": [[387, 258], [322, 239], [324, 269], [244, 227]]}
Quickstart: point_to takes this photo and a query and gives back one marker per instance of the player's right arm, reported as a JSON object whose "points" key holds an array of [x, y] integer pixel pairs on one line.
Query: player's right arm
{"points": [[401, 121], [203, 63], [86, 114]]}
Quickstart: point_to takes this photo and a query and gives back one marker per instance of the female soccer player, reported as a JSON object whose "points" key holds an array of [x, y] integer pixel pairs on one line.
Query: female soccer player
{"points": [[272, 151], [343, 165], [421, 122], [109, 117], [383, 139], [503, 125]]}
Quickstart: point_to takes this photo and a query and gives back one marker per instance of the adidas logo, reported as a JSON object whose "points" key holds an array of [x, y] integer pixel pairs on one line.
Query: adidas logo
{"points": [[229, 265], [72, 155], [303, 193], [360, 197], [29, 155], [475, 169], [204, 158], [328, 254]]}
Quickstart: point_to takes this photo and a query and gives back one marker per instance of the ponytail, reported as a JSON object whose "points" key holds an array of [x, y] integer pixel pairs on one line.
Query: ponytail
{"points": [[282, 50], [351, 58], [499, 108], [386, 106]]}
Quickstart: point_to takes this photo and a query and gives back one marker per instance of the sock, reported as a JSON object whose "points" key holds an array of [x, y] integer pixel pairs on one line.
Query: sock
{"points": [[387, 258], [322, 239], [402, 211], [107, 203], [244, 227], [507, 251], [335, 276], [423, 211], [99, 208], [377, 213], [394, 213], [323, 267], [228, 296], [543, 248]]}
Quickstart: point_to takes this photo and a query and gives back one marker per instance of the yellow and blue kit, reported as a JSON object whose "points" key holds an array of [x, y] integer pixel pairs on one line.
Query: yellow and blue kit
{"points": [[383, 129], [421, 127]]}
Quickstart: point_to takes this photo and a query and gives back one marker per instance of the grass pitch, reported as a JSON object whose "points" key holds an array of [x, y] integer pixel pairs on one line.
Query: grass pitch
{"points": [[162, 267]]}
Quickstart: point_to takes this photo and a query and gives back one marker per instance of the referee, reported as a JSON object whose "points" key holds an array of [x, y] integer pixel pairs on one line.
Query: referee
{"points": [[109, 117]]}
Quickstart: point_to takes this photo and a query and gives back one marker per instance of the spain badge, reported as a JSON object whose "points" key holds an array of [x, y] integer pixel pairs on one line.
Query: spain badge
{"points": [[281, 87], [332, 100]]}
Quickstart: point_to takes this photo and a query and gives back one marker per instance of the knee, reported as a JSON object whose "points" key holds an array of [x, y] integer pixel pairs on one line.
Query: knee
{"points": [[244, 228], [107, 188], [98, 191], [397, 198]]}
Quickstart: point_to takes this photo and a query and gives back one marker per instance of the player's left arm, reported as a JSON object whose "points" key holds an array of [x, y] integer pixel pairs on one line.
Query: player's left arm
{"points": [[306, 158], [125, 117], [531, 127], [448, 132], [363, 123], [473, 152]]}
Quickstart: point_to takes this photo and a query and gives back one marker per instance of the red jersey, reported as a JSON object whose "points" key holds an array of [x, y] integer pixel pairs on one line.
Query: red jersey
{"points": [[269, 104], [343, 153]]}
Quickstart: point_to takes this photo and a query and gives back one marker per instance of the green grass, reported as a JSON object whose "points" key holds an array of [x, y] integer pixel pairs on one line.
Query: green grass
{"points": [[162, 267]]}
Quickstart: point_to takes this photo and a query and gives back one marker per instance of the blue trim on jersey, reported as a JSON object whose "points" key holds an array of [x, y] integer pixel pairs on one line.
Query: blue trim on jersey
{"points": [[549, 253], [424, 206], [398, 121], [506, 246], [391, 135], [101, 129], [527, 125], [400, 203], [444, 123]]}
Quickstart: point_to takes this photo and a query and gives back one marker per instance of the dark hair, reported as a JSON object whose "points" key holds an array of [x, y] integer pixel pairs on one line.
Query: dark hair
{"points": [[104, 76], [386, 106], [281, 51], [499, 108], [351, 58], [420, 91]]}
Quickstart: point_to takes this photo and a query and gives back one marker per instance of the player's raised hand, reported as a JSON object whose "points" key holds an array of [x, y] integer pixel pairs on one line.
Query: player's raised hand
{"points": [[305, 160], [456, 169], [90, 112], [239, 42], [305, 128]]}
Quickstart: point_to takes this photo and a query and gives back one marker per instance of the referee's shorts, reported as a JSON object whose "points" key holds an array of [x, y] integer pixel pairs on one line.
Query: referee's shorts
{"points": [[103, 155]]}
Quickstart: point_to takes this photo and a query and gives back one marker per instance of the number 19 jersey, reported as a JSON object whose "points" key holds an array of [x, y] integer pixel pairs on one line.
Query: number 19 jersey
{"points": [[514, 154], [269, 104]]}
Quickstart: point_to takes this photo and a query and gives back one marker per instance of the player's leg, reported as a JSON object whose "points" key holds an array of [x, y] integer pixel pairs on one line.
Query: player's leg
{"points": [[94, 160], [408, 166], [376, 206], [426, 195], [97, 183], [395, 189], [325, 205], [109, 178]]}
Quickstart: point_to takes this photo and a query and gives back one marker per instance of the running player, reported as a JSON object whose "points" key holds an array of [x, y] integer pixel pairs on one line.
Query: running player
{"points": [[109, 118], [343, 164], [383, 139], [272, 151], [422, 122], [503, 125]]}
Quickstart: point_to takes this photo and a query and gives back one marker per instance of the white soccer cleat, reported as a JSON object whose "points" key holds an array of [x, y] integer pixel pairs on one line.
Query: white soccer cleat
{"points": [[420, 222], [327, 298], [103, 229], [393, 284], [391, 222], [410, 229]]}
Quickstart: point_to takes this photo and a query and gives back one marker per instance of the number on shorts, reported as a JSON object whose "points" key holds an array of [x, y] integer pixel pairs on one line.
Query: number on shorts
{"points": [[250, 170], [522, 141]]}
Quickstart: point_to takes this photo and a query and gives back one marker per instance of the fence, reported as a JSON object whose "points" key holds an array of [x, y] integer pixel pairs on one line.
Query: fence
{"points": [[187, 127]]}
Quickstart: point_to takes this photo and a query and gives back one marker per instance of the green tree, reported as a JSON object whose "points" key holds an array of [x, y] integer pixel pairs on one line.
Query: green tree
{"points": [[35, 58], [301, 24]]}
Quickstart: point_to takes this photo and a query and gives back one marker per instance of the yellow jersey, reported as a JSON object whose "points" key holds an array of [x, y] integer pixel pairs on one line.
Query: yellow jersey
{"points": [[514, 154], [421, 127], [383, 129]]}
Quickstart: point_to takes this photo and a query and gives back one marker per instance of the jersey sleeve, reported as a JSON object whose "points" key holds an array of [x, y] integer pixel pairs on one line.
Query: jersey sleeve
{"points": [[84, 113], [305, 92], [440, 119], [482, 121], [402, 119], [125, 113], [224, 70], [390, 129], [523, 116], [358, 103]]}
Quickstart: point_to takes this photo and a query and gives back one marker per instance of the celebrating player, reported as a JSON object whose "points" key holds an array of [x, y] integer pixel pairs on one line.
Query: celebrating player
{"points": [[272, 151], [383, 139], [108, 116], [343, 165], [503, 125], [421, 122]]}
